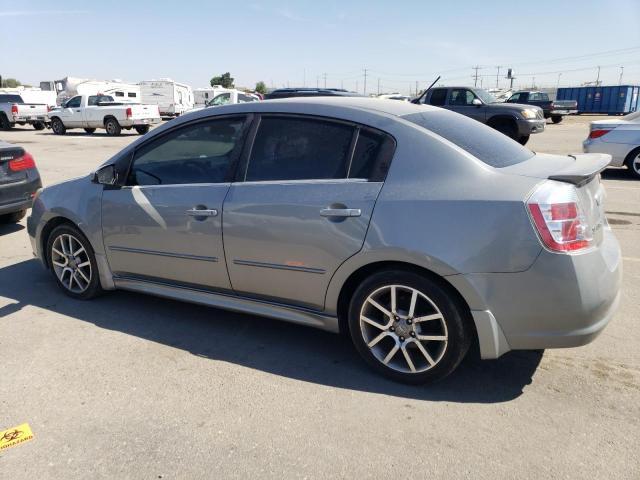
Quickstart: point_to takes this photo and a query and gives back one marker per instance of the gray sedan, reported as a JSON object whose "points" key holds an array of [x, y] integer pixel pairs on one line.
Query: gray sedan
{"points": [[415, 230]]}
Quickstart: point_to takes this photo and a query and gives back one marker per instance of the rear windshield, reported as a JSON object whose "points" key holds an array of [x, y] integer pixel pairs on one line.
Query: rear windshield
{"points": [[484, 143], [6, 98]]}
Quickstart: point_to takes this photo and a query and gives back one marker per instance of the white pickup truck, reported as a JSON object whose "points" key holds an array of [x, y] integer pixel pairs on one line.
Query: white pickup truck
{"points": [[101, 111], [14, 110]]}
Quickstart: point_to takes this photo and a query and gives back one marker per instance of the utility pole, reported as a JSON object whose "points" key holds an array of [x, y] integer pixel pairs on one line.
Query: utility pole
{"points": [[304, 77], [365, 82], [498, 74], [598, 77], [558, 83], [356, 86], [325, 79], [620, 79], [475, 82], [378, 86]]}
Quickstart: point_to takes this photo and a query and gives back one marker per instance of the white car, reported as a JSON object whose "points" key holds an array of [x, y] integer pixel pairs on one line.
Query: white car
{"points": [[101, 111], [618, 137]]}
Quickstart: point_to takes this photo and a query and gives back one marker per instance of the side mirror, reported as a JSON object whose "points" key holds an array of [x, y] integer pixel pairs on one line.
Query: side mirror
{"points": [[107, 175], [477, 102]]}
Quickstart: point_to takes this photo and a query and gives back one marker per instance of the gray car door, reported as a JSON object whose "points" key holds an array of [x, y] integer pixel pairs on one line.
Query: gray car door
{"points": [[302, 206], [460, 100], [166, 223]]}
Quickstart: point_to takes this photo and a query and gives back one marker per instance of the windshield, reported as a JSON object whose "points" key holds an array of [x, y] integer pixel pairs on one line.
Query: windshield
{"points": [[221, 99], [485, 96]]}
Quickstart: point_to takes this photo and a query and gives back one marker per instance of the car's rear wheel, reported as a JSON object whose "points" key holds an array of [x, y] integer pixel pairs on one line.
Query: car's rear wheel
{"points": [[14, 217], [633, 163], [523, 139], [142, 129], [4, 122], [39, 125], [556, 118], [113, 127], [408, 327], [90, 130], [58, 127], [73, 262]]}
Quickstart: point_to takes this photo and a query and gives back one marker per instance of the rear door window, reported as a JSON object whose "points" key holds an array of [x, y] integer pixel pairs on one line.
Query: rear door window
{"points": [[372, 155], [438, 97], [297, 148], [484, 143]]}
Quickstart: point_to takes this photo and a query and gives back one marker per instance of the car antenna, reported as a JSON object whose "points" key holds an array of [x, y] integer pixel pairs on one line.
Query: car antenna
{"points": [[417, 100]]}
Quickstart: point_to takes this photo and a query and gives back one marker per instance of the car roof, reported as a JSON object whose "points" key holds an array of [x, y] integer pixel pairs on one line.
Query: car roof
{"points": [[382, 105]]}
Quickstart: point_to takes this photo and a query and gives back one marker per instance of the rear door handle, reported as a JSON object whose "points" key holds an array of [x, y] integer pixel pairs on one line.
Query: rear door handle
{"points": [[195, 212], [340, 212]]}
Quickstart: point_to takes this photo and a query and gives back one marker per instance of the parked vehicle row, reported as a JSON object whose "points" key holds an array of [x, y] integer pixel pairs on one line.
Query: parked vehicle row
{"points": [[102, 111], [416, 231]]}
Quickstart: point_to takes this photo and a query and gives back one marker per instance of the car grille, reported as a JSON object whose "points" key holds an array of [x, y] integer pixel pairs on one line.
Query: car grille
{"points": [[540, 114]]}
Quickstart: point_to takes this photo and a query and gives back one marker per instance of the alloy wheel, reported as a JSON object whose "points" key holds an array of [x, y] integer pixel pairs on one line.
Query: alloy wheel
{"points": [[635, 164], [71, 263], [404, 329]]}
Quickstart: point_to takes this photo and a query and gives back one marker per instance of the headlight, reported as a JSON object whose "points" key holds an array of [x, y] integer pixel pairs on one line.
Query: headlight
{"points": [[529, 113]]}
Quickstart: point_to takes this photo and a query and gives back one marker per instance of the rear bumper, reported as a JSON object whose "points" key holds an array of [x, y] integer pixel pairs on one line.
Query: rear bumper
{"points": [[529, 127], [18, 196], [141, 122], [561, 301], [562, 111], [30, 118], [618, 151]]}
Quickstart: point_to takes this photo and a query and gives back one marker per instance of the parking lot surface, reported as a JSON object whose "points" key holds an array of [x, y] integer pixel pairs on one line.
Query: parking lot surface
{"points": [[132, 386]]}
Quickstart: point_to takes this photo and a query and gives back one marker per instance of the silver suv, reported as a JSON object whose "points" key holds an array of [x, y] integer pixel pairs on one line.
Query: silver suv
{"points": [[416, 230]]}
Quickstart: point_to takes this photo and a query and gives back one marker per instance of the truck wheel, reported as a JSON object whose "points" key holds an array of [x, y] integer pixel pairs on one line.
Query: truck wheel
{"points": [[14, 217], [556, 118], [58, 127], [142, 129], [508, 128], [113, 127], [89, 130], [39, 125], [523, 139], [4, 122]]}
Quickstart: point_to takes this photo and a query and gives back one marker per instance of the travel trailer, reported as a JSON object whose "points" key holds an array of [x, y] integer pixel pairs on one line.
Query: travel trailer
{"points": [[202, 96], [172, 98], [71, 86]]}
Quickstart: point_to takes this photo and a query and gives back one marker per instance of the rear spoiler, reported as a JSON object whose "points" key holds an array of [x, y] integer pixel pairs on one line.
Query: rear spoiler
{"points": [[583, 169]]}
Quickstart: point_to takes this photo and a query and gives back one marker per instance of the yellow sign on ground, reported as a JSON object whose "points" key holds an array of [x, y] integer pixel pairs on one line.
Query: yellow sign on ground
{"points": [[15, 435]]}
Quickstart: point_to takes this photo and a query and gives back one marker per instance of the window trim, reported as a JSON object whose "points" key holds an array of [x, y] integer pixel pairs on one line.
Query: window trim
{"points": [[389, 143], [236, 153]]}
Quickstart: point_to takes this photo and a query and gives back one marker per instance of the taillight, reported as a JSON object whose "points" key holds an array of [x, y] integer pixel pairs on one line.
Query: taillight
{"points": [[597, 133], [14, 109], [49, 108], [559, 217], [25, 162], [129, 112]]}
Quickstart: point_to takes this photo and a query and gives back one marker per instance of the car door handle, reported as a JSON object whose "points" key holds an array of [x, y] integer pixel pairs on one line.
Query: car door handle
{"points": [[196, 212], [340, 212]]}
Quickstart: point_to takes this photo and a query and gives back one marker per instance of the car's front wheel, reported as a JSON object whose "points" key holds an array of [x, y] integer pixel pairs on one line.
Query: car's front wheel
{"points": [[633, 163], [73, 262], [143, 129], [58, 127], [408, 327]]}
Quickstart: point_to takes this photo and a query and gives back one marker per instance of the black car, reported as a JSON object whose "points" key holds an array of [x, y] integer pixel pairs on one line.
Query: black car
{"points": [[309, 92], [19, 181]]}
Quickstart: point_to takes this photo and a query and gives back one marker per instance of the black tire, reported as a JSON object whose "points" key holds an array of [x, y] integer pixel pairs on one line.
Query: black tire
{"points": [[457, 323], [39, 125], [4, 122], [523, 139], [93, 289], [508, 128], [14, 217], [57, 126], [556, 118], [90, 130], [633, 163], [142, 129], [113, 127]]}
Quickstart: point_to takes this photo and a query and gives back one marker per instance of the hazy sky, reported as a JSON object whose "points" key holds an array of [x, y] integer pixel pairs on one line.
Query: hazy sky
{"points": [[287, 42]]}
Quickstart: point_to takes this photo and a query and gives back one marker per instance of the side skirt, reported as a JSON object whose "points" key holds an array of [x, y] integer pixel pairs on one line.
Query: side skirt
{"points": [[231, 302]]}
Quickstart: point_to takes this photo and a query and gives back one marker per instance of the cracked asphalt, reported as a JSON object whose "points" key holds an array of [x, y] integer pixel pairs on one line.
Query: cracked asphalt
{"points": [[132, 386]]}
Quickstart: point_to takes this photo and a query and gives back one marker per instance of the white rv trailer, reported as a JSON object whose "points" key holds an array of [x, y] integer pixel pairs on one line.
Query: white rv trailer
{"points": [[202, 96], [172, 98], [71, 86]]}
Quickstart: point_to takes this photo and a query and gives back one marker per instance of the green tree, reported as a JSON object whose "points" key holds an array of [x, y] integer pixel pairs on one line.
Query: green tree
{"points": [[261, 87], [226, 80], [10, 83]]}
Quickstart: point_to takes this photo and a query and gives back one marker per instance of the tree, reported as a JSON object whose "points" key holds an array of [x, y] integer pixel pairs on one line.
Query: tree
{"points": [[261, 88], [226, 80], [10, 83]]}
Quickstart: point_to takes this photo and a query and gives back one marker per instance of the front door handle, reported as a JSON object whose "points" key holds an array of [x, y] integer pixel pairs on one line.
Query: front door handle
{"points": [[340, 212], [196, 212]]}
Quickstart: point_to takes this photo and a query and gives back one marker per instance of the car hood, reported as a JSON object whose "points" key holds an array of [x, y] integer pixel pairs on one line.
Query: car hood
{"points": [[515, 107]]}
